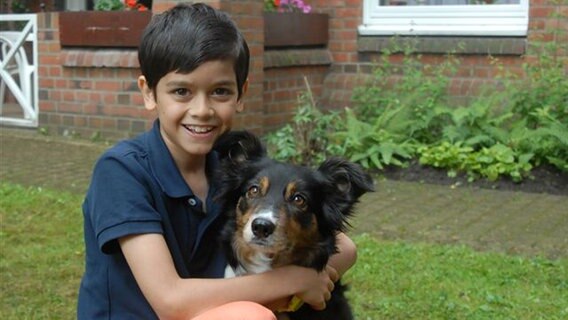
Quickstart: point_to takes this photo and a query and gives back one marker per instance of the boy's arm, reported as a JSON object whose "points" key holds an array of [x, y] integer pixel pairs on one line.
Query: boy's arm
{"points": [[172, 297], [346, 256]]}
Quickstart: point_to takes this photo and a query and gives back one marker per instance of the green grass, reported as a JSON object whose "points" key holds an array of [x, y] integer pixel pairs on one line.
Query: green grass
{"points": [[394, 280], [41, 261], [41, 253]]}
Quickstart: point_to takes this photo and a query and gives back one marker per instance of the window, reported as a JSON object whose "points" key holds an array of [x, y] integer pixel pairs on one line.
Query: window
{"points": [[445, 17]]}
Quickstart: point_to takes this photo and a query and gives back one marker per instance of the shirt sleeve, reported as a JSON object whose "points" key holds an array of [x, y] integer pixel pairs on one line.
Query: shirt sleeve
{"points": [[120, 201]]}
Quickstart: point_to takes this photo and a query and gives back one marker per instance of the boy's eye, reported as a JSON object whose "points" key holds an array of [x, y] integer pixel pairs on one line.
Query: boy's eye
{"points": [[181, 92], [221, 92]]}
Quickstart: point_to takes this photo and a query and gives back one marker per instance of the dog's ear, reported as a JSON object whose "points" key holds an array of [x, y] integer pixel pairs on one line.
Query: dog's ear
{"points": [[348, 178], [348, 181], [238, 151], [239, 146]]}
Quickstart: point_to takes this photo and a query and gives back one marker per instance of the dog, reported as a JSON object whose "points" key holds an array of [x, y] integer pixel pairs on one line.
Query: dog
{"points": [[280, 214]]}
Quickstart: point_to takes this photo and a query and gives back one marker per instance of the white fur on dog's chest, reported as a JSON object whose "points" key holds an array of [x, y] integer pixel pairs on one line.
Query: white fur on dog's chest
{"points": [[259, 263]]}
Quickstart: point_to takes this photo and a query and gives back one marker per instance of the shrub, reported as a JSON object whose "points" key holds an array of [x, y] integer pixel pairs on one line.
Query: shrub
{"points": [[421, 90], [306, 140], [491, 163], [502, 132], [383, 142], [402, 113]]}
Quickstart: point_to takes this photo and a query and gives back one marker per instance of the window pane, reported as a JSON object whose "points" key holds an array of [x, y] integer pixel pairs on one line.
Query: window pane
{"points": [[443, 2], [445, 17]]}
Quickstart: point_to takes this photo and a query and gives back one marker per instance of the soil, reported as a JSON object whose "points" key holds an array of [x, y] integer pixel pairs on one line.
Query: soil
{"points": [[544, 179]]}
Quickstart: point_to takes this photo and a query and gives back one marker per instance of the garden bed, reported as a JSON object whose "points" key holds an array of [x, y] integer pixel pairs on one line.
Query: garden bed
{"points": [[543, 179]]}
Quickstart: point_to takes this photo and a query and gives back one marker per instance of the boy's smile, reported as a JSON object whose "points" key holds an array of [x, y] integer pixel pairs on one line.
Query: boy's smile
{"points": [[194, 108]]}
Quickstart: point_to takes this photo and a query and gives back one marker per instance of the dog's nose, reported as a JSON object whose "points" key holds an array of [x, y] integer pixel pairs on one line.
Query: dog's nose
{"points": [[262, 228]]}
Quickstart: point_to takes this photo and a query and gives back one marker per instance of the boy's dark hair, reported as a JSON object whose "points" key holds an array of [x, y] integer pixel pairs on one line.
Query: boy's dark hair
{"points": [[186, 36]]}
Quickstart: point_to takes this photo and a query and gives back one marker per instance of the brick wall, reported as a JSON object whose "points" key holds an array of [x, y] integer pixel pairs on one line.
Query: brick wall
{"points": [[247, 14], [87, 92], [288, 73], [353, 56], [281, 89], [93, 92]]}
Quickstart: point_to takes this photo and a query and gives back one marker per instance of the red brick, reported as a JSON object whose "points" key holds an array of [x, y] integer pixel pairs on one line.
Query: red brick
{"points": [[336, 24], [45, 82], [347, 13], [82, 96], [65, 107], [541, 12], [68, 95], [251, 24], [54, 71], [47, 106], [108, 85], [55, 95], [137, 100], [80, 121], [354, 3], [109, 98], [352, 24], [91, 108]]}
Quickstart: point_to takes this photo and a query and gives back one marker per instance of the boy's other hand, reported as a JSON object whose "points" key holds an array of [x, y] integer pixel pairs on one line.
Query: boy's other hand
{"points": [[318, 287]]}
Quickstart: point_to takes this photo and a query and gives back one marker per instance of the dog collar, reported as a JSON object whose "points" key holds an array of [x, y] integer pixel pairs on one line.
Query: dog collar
{"points": [[294, 304]]}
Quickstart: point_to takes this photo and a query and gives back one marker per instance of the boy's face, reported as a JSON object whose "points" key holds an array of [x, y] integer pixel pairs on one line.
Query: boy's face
{"points": [[195, 108]]}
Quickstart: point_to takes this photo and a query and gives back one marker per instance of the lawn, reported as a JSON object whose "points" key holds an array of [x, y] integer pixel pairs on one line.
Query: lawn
{"points": [[41, 260], [395, 280]]}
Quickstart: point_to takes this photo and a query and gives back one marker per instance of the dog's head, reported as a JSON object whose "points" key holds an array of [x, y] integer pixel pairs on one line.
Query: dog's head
{"points": [[280, 213]]}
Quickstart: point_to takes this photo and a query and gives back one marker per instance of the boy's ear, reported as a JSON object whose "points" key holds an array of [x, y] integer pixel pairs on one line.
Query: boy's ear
{"points": [[147, 94], [240, 103]]}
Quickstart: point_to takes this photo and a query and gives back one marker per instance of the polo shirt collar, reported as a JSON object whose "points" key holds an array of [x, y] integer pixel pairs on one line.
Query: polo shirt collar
{"points": [[164, 167]]}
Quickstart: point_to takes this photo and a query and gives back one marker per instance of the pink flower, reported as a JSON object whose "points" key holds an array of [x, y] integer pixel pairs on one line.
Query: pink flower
{"points": [[294, 6]]}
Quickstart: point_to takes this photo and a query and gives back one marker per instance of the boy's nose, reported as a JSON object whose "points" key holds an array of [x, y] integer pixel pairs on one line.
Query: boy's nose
{"points": [[200, 107]]}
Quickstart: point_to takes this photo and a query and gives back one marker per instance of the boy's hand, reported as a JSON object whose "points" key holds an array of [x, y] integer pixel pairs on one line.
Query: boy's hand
{"points": [[279, 304], [318, 287]]}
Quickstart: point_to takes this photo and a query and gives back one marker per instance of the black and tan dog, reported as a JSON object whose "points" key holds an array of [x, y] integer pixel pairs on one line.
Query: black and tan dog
{"points": [[281, 214]]}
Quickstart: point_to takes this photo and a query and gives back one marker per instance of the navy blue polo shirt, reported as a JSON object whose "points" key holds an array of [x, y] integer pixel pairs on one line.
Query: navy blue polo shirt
{"points": [[136, 188]]}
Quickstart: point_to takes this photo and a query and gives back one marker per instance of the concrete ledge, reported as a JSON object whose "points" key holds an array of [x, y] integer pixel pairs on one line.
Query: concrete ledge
{"points": [[296, 57], [442, 45], [99, 58]]}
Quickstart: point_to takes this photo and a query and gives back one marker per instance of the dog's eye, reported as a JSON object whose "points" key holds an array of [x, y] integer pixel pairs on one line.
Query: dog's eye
{"points": [[299, 200], [253, 191]]}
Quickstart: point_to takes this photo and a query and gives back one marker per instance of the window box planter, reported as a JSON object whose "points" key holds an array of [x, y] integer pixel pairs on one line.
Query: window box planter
{"points": [[112, 29], [295, 29]]}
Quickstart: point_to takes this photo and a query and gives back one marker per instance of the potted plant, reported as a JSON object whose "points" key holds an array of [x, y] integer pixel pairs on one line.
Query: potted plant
{"points": [[291, 23], [113, 23]]}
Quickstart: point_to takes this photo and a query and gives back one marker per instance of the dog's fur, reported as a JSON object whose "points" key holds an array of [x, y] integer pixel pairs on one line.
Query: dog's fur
{"points": [[280, 214]]}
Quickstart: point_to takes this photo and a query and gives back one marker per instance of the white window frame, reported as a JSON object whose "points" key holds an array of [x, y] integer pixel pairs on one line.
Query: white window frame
{"points": [[445, 20], [74, 5]]}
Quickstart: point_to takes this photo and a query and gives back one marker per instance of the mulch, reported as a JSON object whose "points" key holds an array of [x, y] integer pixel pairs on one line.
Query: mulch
{"points": [[543, 179]]}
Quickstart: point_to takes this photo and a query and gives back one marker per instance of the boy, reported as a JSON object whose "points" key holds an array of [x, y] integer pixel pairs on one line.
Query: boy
{"points": [[151, 226]]}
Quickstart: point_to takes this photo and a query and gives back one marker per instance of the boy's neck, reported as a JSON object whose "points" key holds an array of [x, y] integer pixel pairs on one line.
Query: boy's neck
{"points": [[197, 182], [193, 172]]}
